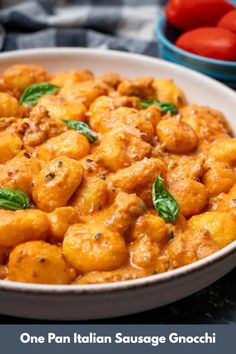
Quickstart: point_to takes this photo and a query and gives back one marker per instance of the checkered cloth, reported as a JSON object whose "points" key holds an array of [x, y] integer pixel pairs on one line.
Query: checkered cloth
{"points": [[127, 25]]}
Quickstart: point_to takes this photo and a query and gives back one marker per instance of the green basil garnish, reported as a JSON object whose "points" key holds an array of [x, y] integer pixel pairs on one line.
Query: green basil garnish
{"points": [[13, 199], [165, 107], [82, 128], [164, 203], [32, 93]]}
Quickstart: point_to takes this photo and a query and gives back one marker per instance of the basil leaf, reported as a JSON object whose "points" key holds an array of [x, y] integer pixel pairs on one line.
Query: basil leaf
{"points": [[82, 128], [164, 203], [13, 199], [165, 107], [32, 93]]}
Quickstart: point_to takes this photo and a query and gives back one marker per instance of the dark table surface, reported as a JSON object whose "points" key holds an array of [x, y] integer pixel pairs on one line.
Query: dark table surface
{"points": [[213, 305]]}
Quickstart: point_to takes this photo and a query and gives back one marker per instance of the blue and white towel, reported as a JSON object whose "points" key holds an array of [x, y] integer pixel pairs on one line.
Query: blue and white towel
{"points": [[127, 25]]}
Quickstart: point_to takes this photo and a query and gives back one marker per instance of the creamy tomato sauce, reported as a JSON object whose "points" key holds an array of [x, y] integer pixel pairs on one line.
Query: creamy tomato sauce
{"points": [[89, 215]]}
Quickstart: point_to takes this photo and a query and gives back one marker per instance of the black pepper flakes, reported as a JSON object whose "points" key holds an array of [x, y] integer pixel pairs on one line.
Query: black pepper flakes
{"points": [[42, 260], [98, 235], [170, 235], [59, 164], [50, 176], [27, 155], [179, 99]]}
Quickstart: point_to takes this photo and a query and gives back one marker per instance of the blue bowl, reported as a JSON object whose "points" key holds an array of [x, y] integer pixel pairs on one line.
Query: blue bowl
{"points": [[224, 71]]}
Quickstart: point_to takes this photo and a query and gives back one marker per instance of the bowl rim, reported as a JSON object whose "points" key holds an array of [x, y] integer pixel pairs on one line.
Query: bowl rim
{"points": [[152, 280], [160, 34]]}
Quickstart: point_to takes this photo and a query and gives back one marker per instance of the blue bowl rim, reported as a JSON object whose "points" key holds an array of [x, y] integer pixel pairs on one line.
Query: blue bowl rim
{"points": [[162, 37]]}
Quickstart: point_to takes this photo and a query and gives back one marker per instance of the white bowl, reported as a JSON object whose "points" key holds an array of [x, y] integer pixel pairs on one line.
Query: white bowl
{"points": [[80, 302]]}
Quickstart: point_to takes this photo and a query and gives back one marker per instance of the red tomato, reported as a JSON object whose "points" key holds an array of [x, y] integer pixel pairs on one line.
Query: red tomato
{"points": [[189, 14], [228, 21], [212, 42]]}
